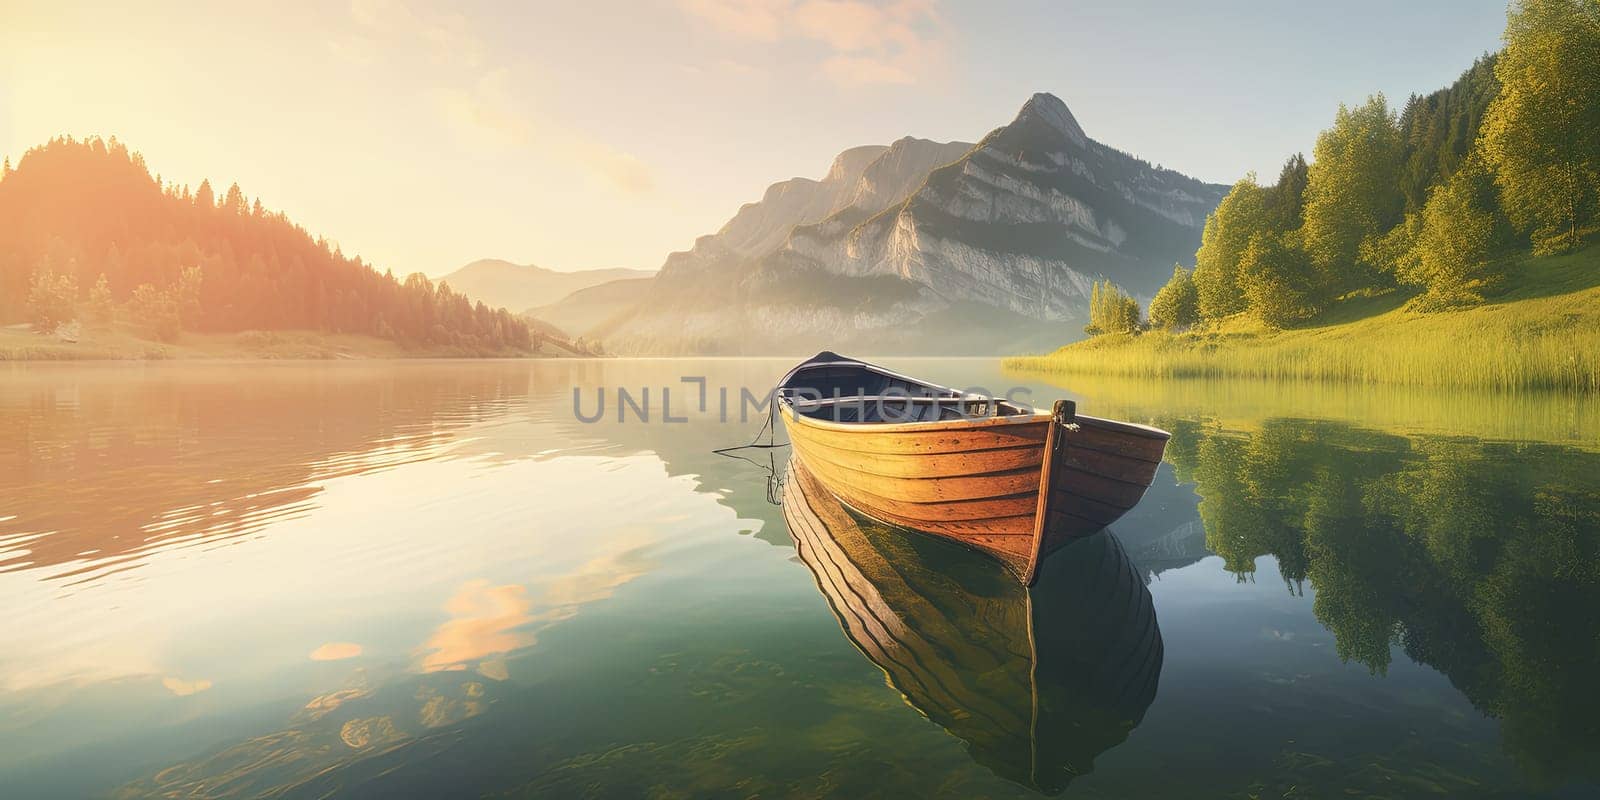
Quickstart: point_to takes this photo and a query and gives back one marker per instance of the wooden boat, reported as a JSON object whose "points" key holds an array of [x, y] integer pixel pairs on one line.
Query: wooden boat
{"points": [[1037, 681], [988, 473]]}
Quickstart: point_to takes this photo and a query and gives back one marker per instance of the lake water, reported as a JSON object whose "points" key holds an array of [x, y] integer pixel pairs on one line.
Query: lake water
{"points": [[434, 579]]}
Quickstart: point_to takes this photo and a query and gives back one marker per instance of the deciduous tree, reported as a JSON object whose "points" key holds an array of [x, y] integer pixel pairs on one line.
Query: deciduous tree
{"points": [[101, 306], [1542, 133], [1176, 305], [51, 297], [1352, 191], [156, 310], [1240, 215], [1111, 310], [1451, 256], [1276, 276]]}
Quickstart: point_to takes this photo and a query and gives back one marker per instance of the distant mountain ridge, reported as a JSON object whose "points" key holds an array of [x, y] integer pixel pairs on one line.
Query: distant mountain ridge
{"points": [[922, 246], [586, 309], [523, 286]]}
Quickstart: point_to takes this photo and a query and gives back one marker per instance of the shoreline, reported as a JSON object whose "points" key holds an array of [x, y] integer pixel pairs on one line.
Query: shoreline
{"points": [[120, 344], [1542, 334]]}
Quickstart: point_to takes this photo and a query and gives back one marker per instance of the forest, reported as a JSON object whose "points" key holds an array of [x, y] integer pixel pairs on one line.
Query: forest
{"points": [[1434, 200], [89, 236]]}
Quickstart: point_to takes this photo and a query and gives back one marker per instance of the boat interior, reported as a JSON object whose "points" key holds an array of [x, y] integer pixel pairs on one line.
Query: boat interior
{"points": [[832, 387]]}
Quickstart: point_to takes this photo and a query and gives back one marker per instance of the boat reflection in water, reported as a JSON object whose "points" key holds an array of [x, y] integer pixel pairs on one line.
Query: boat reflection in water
{"points": [[1037, 681]]}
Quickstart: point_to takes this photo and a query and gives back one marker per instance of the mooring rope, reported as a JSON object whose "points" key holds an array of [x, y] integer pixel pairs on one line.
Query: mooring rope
{"points": [[770, 430]]}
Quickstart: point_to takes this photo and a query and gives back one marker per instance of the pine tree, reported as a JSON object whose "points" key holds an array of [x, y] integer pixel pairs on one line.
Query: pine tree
{"points": [[1440, 128], [1096, 311], [234, 203], [1286, 200], [1542, 134], [93, 209]]}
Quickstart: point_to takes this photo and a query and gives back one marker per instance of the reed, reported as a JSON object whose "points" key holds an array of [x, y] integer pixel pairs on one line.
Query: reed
{"points": [[1545, 334]]}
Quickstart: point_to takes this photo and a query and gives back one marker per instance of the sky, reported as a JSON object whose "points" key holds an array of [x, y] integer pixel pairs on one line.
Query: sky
{"points": [[609, 133]]}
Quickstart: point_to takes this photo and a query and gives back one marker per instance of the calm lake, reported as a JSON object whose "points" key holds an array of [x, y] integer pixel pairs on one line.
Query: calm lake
{"points": [[418, 579]]}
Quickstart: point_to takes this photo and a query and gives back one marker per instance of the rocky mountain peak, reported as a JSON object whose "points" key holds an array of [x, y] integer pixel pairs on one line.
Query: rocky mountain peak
{"points": [[897, 243], [849, 165], [1047, 109]]}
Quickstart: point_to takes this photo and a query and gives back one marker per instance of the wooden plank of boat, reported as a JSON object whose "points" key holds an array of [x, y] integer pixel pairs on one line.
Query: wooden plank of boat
{"points": [[918, 438], [1014, 484]]}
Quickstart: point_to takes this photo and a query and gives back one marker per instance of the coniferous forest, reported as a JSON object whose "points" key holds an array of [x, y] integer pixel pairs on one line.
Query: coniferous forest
{"points": [[87, 234]]}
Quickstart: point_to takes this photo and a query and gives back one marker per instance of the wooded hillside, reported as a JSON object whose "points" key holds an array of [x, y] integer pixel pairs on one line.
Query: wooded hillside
{"points": [[87, 233], [1439, 201]]}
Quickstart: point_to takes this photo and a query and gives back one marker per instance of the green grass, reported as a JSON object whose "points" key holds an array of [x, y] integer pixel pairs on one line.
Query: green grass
{"points": [[1544, 333]]}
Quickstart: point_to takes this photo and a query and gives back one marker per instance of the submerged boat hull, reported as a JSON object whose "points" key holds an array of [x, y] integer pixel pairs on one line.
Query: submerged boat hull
{"points": [[1015, 486]]}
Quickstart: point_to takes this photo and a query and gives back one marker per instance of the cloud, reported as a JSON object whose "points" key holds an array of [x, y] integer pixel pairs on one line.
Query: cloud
{"points": [[476, 94], [486, 110], [845, 24], [865, 71], [761, 20], [183, 688], [358, 50], [864, 43], [623, 170], [446, 38], [336, 651], [488, 113]]}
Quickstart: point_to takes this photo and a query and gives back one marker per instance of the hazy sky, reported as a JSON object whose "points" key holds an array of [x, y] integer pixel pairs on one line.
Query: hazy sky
{"points": [[601, 133]]}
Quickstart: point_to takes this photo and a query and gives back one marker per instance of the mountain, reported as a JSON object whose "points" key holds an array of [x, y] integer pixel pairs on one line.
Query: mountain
{"points": [[866, 179], [87, 233], [523, 286], [586, 310], [926, 247]]}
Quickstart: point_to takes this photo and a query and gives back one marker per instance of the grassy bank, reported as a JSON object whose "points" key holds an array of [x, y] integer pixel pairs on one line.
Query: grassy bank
{"points": [[123, 343], [1542, 334]]}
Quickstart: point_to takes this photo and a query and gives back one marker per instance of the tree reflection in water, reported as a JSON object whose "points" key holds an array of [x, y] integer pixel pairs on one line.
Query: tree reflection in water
{"points": [[1479, 559]]}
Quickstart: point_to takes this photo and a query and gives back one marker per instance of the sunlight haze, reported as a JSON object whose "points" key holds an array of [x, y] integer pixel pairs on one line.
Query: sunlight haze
{"points": [[608, 134]]}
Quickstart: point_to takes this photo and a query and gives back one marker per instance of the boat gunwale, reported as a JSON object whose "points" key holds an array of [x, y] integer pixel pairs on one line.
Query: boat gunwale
{"points": [[969, 423], [786, 403], [924, 426]]}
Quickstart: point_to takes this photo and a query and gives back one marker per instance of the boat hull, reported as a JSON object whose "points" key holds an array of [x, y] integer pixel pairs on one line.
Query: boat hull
{"points": [[1016, 487], [1037, 681]]}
